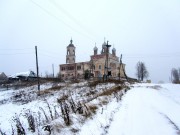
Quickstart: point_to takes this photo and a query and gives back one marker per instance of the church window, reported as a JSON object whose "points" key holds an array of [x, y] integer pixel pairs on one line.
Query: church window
{"points": [[63, 68], [78, 67], [67, 60], [70, 68], [99, 66]]}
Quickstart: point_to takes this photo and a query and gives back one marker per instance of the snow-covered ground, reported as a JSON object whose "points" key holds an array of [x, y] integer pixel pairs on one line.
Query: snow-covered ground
{"points": [[149, 110], [145, 109]]}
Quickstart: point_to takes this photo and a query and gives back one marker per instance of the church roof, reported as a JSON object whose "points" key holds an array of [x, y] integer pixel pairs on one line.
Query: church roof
{"points": [[95, 48], [104, 44], [114, 49], [71, 44]]}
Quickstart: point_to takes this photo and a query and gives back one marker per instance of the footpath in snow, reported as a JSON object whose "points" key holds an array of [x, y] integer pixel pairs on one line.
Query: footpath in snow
{"points": [[149, 110]]}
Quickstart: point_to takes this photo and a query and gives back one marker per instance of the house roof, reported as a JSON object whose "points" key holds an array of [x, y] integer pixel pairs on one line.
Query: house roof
{"points": [[3, 75], [24, 74]]}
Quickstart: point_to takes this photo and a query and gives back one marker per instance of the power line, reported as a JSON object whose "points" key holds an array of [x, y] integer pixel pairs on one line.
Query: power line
{"points": [[52, 54], [49, 13], [13, 53], [42, 50], [13, 49], [42, 54], [70, 16], [24, 51], [152, 56]]}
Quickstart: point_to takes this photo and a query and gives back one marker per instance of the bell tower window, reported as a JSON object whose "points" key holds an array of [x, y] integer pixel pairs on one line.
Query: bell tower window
{"points": [[67, 52]]}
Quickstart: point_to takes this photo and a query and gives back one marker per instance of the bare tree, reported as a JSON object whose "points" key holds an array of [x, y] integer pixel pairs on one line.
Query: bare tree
{"points": [[141, 71], [175, 75], [138, 70]]}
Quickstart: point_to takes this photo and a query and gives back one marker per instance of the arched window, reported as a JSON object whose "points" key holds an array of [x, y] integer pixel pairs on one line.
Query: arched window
{"points": [[67, 61], [67, 52]]}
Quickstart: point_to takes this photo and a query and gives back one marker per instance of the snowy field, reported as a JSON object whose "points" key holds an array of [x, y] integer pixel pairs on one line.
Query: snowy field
{"points": [[103, 109]]}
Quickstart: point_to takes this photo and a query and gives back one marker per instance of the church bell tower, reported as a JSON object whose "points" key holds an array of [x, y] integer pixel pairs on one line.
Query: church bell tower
{"points": [[70, 57]]}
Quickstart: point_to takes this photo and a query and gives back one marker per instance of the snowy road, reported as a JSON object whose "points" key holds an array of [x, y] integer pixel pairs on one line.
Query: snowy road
{"points": [[148, 110]]}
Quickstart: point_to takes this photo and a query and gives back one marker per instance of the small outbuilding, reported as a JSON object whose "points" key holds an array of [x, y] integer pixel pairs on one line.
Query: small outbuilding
{"points": [[3, 77]]}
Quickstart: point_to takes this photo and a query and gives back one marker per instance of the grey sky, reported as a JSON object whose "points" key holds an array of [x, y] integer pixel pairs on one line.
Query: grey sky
{"points": [[141, 30]]}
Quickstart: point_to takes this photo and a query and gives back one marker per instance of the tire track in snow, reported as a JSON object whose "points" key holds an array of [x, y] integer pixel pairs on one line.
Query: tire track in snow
{"points": [[172, 123]]}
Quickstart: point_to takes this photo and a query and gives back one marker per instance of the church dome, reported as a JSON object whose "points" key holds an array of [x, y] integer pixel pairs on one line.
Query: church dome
{"points": [[95, 48], [71, 44], [104, 45], [113, 49]]}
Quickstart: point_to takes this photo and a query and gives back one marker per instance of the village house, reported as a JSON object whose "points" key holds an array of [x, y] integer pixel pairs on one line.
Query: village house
{"points": [[3, 77], [99, 65], [29, 75]]}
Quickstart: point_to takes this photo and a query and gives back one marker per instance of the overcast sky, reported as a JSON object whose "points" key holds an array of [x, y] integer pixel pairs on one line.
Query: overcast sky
{"points": [[141, 30]]}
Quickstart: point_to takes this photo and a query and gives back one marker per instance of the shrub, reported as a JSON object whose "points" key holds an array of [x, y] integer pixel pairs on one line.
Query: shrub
{"points": [[46, 117], [2, 133], [19, 127], [93, 83], [65, 110], [110, 91], [50, 111], [31, 121]]}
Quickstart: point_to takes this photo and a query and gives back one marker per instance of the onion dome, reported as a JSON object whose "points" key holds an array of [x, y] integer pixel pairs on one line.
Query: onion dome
{"points": [[113, 49], [104, 45], [71, 44], [95, 48]]}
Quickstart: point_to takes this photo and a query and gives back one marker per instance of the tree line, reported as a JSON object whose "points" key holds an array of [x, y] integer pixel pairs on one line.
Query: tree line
{"points": [[142, 73]]}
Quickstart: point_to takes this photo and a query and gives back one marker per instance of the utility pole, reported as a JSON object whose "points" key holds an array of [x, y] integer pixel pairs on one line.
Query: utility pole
{"points": [[53, 69], [75, 69], [104, 70], [107, 56], [123, 69], [120, 63], [37, 68], [92, 67]]}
